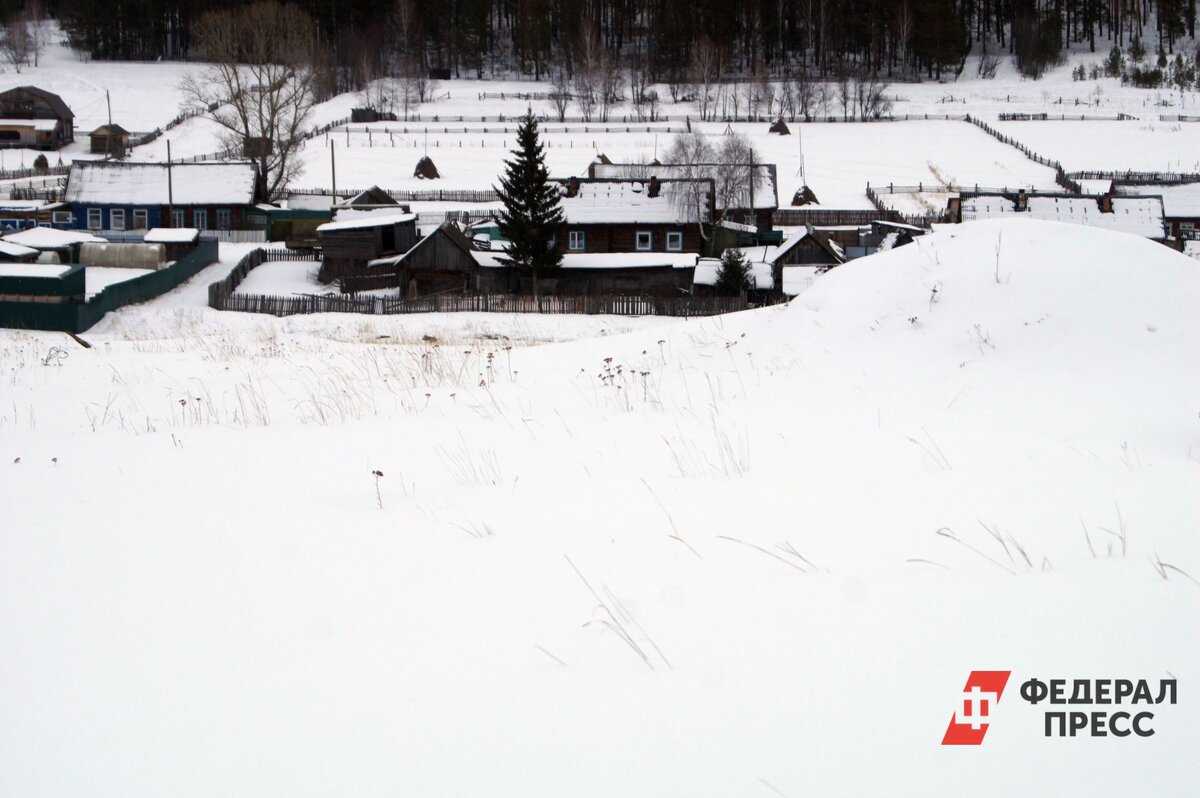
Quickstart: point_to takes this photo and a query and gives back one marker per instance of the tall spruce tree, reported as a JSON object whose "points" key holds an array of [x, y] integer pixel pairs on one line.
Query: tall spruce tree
{"points": [[532, 214]]}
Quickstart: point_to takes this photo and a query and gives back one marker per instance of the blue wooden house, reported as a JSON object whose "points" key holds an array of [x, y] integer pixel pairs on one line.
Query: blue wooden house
{"points": [[113, 195]]}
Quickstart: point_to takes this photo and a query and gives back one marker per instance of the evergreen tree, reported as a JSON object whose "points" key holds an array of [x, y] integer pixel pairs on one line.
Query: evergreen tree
{"points": [[532, 215], [733, 277]]}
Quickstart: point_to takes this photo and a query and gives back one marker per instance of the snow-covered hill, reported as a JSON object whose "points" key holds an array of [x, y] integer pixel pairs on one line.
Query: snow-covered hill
{"points": [[749, 555]]}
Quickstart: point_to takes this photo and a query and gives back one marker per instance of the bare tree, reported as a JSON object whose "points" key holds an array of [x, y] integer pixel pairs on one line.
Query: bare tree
{"points": [[259, 84], [705, 74], [870, 95], [560, 91], [16, 45], [639, 79], [691, 154], [736, 178], [35, 16], [588, 54], [612, 83], [804, 94]]}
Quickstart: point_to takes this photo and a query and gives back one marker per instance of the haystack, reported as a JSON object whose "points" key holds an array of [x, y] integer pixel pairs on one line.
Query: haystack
{"points": [[426, 170], [804, 196], [780, 127]]}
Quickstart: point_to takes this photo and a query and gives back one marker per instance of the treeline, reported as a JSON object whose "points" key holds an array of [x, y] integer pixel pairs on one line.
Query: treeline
{"points": [[363, 39]]}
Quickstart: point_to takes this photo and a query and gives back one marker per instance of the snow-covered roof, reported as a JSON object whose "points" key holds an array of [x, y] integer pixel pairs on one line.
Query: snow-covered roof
{"points": [[760, 273], [766, 194], [312, 202], [46, 125], [1142, 216], [1179, 201], [32, 269], [359, 220], [50, 238], [16, 250], [171, 235], [29, 205], [115, 182], [626, 202]]}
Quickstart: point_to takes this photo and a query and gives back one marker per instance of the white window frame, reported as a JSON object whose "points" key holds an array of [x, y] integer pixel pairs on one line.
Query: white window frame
{"points": [[576, 240], [177, 218], [637, 239], [95, 219], [224, 218], [200, 218], [63, 217], [675, 242], [116, 219], [1187, 225], [141, 219]]}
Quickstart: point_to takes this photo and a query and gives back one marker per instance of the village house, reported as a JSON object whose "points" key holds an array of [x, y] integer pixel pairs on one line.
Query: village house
{"points": [[114, 195], [1181, 204], [1138, 215], [634, 215], [20, 214], [741, 200], [35, 118], [806, 251]]}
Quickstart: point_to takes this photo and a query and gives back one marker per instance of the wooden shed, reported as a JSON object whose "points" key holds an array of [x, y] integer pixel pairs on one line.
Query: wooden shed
{"points": [[354, 239], [33, 117], [110, 140]]}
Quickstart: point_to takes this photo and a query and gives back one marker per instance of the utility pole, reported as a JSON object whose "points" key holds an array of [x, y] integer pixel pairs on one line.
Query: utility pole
{"points": [[170, 191], [333, 171], [108, 137]]}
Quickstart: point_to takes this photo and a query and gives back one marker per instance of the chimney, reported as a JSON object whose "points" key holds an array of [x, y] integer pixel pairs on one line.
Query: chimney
{"points": [[1106, 202], [1022, 201], [654, 187], [573, 187]]}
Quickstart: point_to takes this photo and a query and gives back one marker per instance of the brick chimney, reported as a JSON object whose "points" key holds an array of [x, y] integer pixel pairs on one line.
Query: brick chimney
{"points": [[654, 187], [1022, 201], [1106, 202], [573, 187]]}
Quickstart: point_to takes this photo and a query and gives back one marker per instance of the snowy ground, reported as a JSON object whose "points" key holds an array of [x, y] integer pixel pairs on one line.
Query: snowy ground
{"points": [[708, 566]]}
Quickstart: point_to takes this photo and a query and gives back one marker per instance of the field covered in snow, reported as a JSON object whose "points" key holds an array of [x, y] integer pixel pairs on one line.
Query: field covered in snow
{"points": [[729, 556]]}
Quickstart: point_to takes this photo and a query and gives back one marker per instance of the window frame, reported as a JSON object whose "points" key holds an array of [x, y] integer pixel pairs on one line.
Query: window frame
{"points": [[95, 219], [141, 219], [200, 218], [677, 237], [576, 240], [637, 240], [224, 219]]}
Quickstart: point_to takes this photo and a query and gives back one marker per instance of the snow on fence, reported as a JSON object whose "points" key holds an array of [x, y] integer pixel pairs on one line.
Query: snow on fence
{"points": [[415, 195], [24, 172], [822, 217], [1045, 117]]}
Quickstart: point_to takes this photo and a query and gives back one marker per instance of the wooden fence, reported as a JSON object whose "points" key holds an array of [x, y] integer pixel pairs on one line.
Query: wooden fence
{"points": [[1162, 178], [408, 195], [823, 217], [220, 293], [1060, 174]]}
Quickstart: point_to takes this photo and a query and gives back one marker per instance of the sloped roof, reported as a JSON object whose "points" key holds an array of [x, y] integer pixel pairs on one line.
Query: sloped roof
{"points": [[766, 194], [628, 202], [371, 196], [114, 183], [1181, 200], [51, 238], [50, 98], [447, 230], [1141, 216], [109, 130], [365, 219]]}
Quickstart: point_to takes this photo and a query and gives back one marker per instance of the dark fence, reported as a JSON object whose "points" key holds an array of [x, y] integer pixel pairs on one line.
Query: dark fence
{"points": [[822, 217], [1045, 117], [1162, 178], [79, 316], [616, 305], [1060, 175], [18, 174], [220, 293]]}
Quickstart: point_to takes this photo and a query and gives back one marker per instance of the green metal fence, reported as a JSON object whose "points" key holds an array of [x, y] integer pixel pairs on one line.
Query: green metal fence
{"points": [[79, 316]]}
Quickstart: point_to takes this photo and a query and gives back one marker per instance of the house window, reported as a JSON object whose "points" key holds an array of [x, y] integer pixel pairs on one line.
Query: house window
{"points": [[63, 217], [576, 240], [674, 242], [140, 219], [177, 218], [224, 219], [1187, 225], [200, 219], [95, 219], [644, 241], [116, 219]]}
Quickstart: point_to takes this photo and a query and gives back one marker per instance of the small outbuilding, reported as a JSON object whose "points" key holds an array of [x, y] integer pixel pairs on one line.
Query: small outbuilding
{"points": [[36, 118], [110, 140]]}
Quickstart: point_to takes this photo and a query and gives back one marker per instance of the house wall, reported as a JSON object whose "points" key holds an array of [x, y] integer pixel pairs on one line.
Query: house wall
{"points": [[623, 237], [652, 281], [160, 216]]}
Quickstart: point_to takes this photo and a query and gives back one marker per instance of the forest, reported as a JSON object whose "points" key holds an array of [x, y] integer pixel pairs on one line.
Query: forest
{"points": [[667, 40]]}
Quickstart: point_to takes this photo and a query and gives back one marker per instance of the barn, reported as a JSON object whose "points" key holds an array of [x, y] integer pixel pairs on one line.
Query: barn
{"points": [[356, 238], [36, 118]]}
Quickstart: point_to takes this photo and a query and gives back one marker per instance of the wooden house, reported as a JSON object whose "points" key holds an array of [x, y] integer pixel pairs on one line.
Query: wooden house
{"points": [[110, 140], [809, 248], [33, 117], [117, 195], [355, 238], [1181, 204], [750, 199], [1137, 215], [634, 215], [444, 260], [22, 214]]}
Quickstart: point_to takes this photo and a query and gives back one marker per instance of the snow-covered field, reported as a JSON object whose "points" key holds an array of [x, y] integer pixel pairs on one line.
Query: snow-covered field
{"points": [[730, 556], [753, 555]]}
